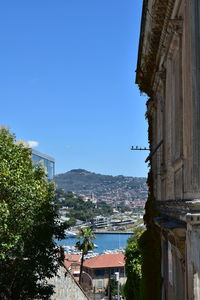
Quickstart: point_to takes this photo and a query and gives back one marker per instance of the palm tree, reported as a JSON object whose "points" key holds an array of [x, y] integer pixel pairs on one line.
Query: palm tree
{"points": [[86, 244]]}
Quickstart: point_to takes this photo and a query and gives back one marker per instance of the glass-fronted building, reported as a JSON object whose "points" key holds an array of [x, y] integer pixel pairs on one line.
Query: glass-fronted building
{"points": [[47, 161]]}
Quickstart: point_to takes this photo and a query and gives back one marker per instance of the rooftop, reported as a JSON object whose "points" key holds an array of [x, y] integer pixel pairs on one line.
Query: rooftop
{"points": [[71, 259], [44, 156], [105, 261]]}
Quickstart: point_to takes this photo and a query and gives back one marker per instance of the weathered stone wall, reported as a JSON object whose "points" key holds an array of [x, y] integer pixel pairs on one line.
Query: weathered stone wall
{"points": [[193, 257], [66, 287], [169, 72]]}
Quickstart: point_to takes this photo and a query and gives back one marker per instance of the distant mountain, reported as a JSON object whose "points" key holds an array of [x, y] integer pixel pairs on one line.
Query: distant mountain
{"points": [[102, 187]]}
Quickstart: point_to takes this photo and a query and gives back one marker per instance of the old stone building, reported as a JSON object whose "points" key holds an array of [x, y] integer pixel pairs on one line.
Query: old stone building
{"points": [[168, 72]]}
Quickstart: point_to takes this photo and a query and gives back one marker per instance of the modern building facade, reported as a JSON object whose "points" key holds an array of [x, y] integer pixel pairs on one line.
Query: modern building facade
{"points": [[168, 71], [47, 161]]}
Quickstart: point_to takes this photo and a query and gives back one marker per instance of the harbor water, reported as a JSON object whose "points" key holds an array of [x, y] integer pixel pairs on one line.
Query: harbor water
{"points": [[103, 241]]}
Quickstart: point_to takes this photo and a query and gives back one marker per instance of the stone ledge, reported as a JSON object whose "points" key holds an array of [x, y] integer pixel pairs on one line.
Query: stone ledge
{"points": [[179, 209], [193, 218], [186, 205]]}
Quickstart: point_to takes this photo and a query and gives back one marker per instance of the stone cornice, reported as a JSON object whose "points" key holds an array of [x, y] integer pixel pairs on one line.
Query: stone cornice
{"points": [[181, 208], [148, 58]]}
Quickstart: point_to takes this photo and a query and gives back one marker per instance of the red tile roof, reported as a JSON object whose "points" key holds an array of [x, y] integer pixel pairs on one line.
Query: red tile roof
{"points": [[105, 261], [72, 259]]}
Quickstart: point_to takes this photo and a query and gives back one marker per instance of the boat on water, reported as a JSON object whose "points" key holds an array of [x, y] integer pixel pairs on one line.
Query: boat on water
{"points": [[70, 234], [73, 250], [114, 251]]}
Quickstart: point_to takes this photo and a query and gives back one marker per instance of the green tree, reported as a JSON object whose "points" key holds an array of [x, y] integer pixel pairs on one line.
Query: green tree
{"points": [[113, 286], [86, 244], [71, 222], [28, 255], [78, 208], [133, 286]]}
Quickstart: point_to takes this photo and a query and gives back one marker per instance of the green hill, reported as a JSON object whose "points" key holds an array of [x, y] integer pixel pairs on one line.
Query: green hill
{"points": [[102, 187]]}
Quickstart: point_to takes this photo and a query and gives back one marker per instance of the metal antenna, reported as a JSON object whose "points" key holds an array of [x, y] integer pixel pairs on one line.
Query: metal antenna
{"points": [[140, 148]]}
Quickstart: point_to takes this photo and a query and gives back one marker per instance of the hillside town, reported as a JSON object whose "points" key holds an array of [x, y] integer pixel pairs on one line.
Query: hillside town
{"points": [[123, 200], [99, 187]]}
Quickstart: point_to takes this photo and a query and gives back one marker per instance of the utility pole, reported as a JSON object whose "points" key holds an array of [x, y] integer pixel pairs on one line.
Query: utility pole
{"points": [[109, 289], [117, 279]]}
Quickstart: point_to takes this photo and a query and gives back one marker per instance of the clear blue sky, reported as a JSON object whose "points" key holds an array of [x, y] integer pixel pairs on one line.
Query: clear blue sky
{"points": [[67, 81]]}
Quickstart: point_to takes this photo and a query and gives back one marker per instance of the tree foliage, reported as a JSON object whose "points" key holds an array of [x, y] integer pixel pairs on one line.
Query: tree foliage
{"points": [[133, 286], [150, 246], [70, 223], [28, 255], [150, 241], [85, 245]]}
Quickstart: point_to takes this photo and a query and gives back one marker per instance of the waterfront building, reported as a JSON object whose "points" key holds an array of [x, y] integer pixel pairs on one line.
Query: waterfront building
{"points": [[101, 268], [47, 161], [168, 71], [100, 222]]}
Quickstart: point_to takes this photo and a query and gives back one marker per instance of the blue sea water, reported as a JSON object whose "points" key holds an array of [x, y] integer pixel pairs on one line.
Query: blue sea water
{"points": [[104, 241]]}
